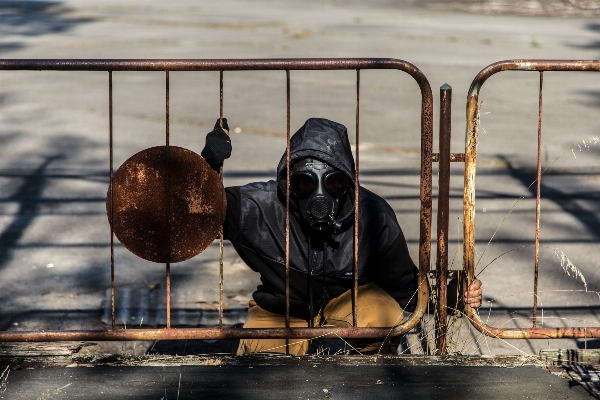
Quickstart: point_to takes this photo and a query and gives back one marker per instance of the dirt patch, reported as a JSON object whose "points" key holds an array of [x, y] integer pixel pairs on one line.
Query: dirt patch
{"points": [[559, 8], [548, 8]]}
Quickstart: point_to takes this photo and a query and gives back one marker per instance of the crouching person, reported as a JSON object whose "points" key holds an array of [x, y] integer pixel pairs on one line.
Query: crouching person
{"points": [[321, 241]]}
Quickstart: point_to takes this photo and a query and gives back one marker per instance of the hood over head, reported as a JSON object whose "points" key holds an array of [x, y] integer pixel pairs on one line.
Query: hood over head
{"points": [[324, 140]]}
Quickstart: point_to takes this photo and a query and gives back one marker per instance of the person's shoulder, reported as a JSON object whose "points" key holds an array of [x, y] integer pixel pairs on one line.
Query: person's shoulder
{"points": [[259, 187], [374, 209], [259, 191], [372, 200]]}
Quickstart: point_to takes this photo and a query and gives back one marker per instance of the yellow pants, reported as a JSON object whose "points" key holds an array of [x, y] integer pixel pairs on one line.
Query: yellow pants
{"points": [[376, 308]]}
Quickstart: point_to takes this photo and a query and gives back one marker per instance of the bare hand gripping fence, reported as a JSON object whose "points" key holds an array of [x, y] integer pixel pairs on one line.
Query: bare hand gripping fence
{"points": [[287, 65]]}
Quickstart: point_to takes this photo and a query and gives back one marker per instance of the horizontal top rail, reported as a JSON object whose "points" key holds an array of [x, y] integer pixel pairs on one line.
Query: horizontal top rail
{"points": [[207, 64], [530, 65]]}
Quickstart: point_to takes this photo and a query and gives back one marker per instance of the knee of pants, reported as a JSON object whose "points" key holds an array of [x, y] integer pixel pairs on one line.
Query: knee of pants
{"points": [[257, 317], [295, 347], [375, 308], [381, 315]]}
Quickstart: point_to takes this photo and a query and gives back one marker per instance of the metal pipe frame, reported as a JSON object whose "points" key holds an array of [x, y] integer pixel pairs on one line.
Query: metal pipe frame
{"points": [[443, 218], [469, 193], [167, 65]]}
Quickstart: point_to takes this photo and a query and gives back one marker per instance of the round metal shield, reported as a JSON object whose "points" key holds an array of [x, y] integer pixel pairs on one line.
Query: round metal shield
{"points": [[168, 204]]}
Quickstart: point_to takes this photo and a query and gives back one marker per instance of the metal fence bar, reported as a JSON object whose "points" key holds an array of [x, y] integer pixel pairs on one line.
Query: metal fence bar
{"points": [[221, 98], [469, 192], [254, 64], [168, 204], [209, 333], [537, 205], [443, 217], [221, 234], [287, 213], [356, 207], [112, 214], [273, 64], [287, 202]]}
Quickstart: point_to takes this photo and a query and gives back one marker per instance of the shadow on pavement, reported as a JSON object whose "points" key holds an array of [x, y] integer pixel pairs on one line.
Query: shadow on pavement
{"points": [[26, 18], [247, 380]]}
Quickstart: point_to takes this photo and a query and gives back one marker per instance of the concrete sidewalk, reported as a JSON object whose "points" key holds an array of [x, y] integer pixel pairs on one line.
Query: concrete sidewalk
{"points": [[309, 377]]}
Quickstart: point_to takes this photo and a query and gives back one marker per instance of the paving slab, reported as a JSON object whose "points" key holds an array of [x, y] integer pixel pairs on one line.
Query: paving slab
{"points": [[294, 379], [77, 370]]}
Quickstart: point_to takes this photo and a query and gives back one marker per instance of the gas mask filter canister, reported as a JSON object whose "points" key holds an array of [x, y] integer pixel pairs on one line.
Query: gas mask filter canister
{"points": [[318, 188]]}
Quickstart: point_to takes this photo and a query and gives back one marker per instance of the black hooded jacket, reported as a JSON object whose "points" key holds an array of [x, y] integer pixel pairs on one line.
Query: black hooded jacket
{"points": [[320, 265]]}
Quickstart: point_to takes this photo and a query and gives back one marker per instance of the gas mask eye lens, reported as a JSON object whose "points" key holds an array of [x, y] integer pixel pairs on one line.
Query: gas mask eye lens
{"points": [[336, 183], [302, 184]]}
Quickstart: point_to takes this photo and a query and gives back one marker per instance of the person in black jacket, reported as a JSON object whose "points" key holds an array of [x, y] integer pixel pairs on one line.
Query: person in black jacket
{"points": [[321, 242]]}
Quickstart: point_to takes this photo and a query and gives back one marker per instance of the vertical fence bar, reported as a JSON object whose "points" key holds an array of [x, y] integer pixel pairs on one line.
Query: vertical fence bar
{"points": [[221, 235], [287, 213], [443, 217], [471, 139], [168, 205], [537, 205], [356, 207], [112, 216], [287, 206], [221, 98]]}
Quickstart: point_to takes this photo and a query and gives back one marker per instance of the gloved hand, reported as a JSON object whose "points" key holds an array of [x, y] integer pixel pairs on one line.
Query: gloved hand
{"points": [[218, 146]]}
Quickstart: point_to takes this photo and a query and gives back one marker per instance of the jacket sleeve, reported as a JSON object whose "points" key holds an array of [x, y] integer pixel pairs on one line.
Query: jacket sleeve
{"points": [[397, 274], [231, 225]]}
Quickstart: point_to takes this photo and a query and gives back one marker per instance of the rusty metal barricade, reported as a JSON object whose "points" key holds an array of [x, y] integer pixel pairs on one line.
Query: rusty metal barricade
{"points": [[286, 65], [470, 158]]}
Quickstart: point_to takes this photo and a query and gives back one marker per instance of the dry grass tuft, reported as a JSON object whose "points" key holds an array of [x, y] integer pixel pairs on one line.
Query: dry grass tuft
{"points": [[570, 268], [4, 380]]}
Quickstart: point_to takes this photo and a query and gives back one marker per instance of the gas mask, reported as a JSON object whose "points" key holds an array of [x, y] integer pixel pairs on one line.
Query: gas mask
{"points": [[318, 188]]}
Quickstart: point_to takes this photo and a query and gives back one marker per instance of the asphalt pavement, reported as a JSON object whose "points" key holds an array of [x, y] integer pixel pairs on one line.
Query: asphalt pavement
{"points": [[54, 234]]}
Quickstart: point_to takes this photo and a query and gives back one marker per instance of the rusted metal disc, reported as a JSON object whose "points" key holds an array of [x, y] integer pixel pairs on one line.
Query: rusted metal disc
{"points": [[141, 219]]}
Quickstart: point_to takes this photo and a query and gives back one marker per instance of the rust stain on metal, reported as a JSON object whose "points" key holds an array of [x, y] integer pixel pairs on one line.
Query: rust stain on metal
{"points": [[469, 187], [469, 194], [356, 207], [533, 333], [195, 197], [537, 206], [425, 195], [141, 226], [443, 217], [210, 64], [287, 201], [454, 157], [208, 333]]}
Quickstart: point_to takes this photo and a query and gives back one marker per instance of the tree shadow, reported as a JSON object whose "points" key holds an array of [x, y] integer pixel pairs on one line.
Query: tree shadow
{"points": [[27, 18], [594, 95], [594, 44], [567, 201], [27, 197]]}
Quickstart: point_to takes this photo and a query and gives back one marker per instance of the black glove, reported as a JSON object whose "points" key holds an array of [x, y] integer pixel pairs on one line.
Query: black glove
{"points": [[218, 146]]}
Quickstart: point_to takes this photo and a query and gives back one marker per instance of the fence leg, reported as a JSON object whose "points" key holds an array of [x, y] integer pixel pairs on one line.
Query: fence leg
{"points": [[442, 218]]}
